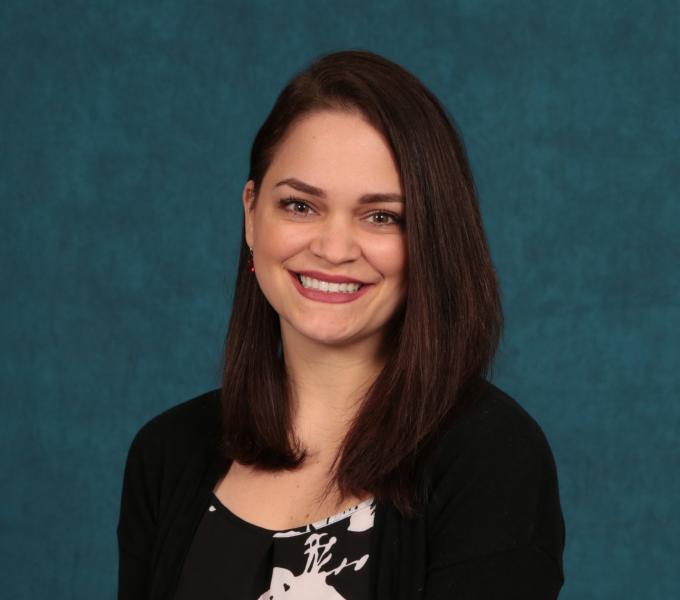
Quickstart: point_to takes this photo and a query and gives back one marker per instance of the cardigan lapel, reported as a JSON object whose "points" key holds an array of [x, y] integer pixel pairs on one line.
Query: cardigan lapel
{"points": [[402, 555], [193, 492]]}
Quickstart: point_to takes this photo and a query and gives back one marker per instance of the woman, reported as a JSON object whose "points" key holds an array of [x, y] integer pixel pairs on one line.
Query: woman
{"points": [[355, 449]]}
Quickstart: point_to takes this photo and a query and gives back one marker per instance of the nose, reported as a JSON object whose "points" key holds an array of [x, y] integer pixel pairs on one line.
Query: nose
{"points": [[336, 241]]}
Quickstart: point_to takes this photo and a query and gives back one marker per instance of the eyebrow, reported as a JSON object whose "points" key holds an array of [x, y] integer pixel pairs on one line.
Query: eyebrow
{"points": [[301, 186]]}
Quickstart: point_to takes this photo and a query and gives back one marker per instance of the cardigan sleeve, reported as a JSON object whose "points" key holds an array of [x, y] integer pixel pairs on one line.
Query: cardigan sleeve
{"points": [[166, 463], [496, 529], [138, 516], [522, 573]]}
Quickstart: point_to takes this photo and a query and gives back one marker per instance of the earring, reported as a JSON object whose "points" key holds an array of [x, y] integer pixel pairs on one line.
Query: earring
{"points": [[251, 263]]}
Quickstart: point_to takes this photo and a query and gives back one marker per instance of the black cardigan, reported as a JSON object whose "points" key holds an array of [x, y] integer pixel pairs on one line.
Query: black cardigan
{"points": [[493, 528]]}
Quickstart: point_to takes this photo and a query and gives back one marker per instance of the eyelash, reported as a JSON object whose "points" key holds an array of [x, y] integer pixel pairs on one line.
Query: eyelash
{"points": [[285, 202]]}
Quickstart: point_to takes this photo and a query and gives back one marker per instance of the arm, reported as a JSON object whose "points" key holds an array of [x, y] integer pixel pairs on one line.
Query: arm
{"points": [[137, 520], [525, 573], [496, 529]]}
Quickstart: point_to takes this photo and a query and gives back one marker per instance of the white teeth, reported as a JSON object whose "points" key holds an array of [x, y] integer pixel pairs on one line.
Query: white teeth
{"points": [[326, 286]]}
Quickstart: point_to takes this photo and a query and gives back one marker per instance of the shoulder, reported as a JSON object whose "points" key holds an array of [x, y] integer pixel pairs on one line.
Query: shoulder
{"points": [[181, 430], [494, 484], [189, 419], [177, 442], [494, 427]]}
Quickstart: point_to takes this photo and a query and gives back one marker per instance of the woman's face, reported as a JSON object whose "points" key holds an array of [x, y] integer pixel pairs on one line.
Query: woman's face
{"points": [[330, 206]]}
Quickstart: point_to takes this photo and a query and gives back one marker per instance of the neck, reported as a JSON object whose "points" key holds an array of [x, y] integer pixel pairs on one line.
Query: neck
{"points": [[327, 385]]}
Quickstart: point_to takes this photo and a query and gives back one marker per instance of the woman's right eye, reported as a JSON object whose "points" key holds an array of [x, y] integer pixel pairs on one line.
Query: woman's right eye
{"points": [[295, 205]]}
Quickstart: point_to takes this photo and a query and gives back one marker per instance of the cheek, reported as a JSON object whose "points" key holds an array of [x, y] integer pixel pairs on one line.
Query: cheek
{"points": [[276, 241], [389, 258]]}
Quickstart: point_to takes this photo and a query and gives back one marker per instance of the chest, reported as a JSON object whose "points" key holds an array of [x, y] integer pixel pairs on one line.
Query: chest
{"points": [[280, 500], [399, 545]]}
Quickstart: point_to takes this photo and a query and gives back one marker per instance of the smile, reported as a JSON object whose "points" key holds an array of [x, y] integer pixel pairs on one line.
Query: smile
{"points": [[327, 286], [327, 291]]}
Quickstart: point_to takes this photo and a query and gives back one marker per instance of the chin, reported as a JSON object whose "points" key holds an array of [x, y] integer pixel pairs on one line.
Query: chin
{"points": [[326, 335], [330, 338]]}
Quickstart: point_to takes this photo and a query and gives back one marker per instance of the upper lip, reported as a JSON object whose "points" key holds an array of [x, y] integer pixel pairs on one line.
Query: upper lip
{"points": [[328, 277]]}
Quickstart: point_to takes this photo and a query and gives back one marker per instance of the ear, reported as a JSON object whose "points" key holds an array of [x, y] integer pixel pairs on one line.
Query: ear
{"points": [[248, 211]]}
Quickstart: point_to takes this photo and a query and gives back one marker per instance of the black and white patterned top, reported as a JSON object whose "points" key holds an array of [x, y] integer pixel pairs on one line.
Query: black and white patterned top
{"points": [[232, 559]]}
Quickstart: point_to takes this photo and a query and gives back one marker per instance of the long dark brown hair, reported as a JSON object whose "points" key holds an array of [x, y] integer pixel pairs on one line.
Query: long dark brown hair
{"points": [[439, 345]]}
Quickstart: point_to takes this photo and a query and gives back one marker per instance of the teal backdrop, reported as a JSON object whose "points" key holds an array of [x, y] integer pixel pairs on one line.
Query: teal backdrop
{"points": [[125, 127]]}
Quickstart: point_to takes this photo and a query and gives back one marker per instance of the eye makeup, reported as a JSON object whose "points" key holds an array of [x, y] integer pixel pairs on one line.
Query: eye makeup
{"points": [[285, 203]]}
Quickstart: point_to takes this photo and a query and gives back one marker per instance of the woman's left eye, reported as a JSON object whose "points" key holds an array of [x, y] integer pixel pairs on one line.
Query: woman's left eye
{"points": [[386, 218]]}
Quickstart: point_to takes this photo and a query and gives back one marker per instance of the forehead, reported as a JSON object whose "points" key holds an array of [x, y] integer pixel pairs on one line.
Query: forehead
{"points": [[337, 151]]}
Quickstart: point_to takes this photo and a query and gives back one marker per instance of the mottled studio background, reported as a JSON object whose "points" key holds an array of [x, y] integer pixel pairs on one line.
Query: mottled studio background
{"points": [[125, 127]]}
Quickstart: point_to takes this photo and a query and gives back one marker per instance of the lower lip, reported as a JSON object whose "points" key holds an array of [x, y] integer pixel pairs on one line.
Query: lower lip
{"points": [[330, 297]]}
